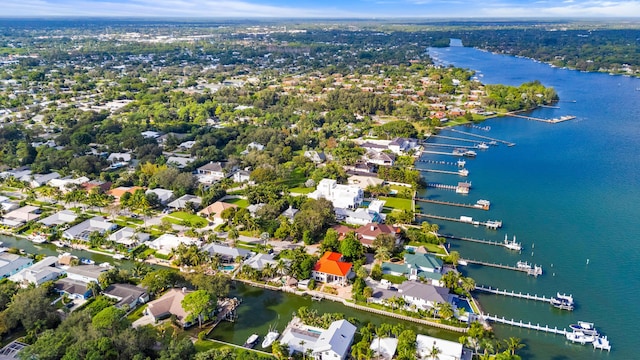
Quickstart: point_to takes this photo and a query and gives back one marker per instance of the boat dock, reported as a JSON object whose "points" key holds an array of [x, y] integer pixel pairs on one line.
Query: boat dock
{"points": [[456, 139], [520, 295], [465, 220], [483, 137], [452, 145], [534, 271], [450, 163], [479, 241], [548, 121], [227, 311], [448, 203], [524, 325], [439, 153], [441, 186], [459, 172]]}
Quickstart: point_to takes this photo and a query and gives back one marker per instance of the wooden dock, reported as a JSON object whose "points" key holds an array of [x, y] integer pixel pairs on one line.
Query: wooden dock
{"points": [[456, 139], [535, 271], [489, 223], [442, 186], [440, 153], [468, 147], [459, 172], [548, 121], [524, 325], [520, 295], [448, 203], [482, 137], [429, 161], [478, 241]]}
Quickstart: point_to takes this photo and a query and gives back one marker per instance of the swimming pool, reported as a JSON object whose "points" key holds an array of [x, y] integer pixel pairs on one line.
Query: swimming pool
{"points": [[463, 304], [226, 267]]}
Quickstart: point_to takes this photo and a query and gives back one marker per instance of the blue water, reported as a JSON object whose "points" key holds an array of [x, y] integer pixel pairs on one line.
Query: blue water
{"points": [[463, 304], [570, 194]]}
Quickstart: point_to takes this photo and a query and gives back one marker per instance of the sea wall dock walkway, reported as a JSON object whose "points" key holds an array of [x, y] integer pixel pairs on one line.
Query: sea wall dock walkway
{"points": [[448, 203], [521, 324], [520, 295], [535, 271]]}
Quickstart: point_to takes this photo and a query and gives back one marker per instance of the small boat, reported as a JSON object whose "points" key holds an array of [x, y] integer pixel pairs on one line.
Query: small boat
{"points": [[483, 204], [469, 153], [106, 265], [463, 262], [461, 163], [523, 265], [483, 146], [458, 152], [58, 243], [561, 303], [463, 172], [118, 256], [272, 336], [512, 245], [584, 327], [251, 341], [580, 337], [316, 298], [38, 238], [85, 261]]}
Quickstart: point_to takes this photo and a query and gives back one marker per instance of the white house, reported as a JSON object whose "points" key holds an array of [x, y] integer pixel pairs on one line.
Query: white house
{"points": [[241, 176], [334, 342], [167, 242], [181, 202], [65, 183], [38, 273], [119, 158], [85, 273], [41, 179], [129, 237], [211, 172], [179, 161], [342, 196], [449, 350], [402, 146]]}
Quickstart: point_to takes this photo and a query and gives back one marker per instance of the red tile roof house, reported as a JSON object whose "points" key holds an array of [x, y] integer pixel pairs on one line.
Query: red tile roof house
{"points": [[367, 233], [331, 270]]}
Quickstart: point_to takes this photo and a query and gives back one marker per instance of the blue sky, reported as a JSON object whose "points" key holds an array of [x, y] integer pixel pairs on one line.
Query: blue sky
{"points": [[323, 8]]}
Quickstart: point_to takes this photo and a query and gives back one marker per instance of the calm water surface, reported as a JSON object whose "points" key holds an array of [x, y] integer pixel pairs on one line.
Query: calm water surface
{"points": [[570, 194]]}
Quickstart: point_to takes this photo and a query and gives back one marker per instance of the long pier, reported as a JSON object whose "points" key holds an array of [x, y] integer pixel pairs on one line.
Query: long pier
{"points": [[451, 145], [439, 202], [524, 325], [489, 224], [535, 271], [479, 241], [439, 153], [442, 186], [548, 121], [429, 161], [456, 139], [461, 173], [482, 137], [520, 295]]}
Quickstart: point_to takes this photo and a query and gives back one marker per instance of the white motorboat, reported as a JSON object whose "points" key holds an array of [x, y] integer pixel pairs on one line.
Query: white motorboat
{"points": [[584, 327], [272, 336], [602, 343], [512, 245], [580, 337], [463, 262], [482, 146], [251, 341], [523, 265]]}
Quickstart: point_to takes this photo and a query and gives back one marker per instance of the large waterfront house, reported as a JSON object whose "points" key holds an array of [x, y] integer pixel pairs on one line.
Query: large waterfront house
{"points": [[20, 216], [85, 273], [227, 254], [59, 218], [39, 273], [165, 243], [72, 288], [415, 294], [129, 237], [170, 304], [448, 350], [342, 196], [403, 146], [331, 269], [83, 230], [334, 343], [11, 264], [323, 344], [416, 266]]}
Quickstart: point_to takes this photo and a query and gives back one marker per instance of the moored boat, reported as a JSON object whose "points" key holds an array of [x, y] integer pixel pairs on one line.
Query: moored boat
{"points": [[469, 153], [85, 261], [463, 262], [251, 341], [482, 146], [580, 337], [272, 336], [512, 245], [561, 303], [523, 265], [584, 327]]}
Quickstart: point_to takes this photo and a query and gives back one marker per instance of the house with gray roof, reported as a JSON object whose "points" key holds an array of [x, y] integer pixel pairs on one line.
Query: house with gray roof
{"points": [[126, 294], [73, 288], [129, 237], [334, 342], [39, 273], [83, 230], [11, 264], [85, 273], [422, 296], [59, 218], [181, 202], [259, 261], [164, 195], [416, 266], [226, 253]]}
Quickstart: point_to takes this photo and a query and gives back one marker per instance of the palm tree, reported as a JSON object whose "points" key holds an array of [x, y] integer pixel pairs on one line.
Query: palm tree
{"points": [[454, 257], [445, 310], [513, 345], [94, 287], [450, 279], [382, 254], [434, 351], [233, 235]]}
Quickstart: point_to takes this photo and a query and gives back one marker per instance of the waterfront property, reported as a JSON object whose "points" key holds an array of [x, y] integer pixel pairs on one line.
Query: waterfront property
{"points": [[83, 230], [20, 216], [447, 350], [169, 304], [72, 288], [342, 196], [416, 266], [85, 273], [227, 254], [323, 344], [38, 273], [415, 294], [59, 218], [331, 269], [11, 264], [165, 243], [129, 237], [384, 348]]}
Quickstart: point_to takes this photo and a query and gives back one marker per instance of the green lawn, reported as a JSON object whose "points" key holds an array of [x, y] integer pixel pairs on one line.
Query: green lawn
{"points": [[397, 203], [301, 190], [237, 201], [432, 248], [296, 178], [179, 217]]}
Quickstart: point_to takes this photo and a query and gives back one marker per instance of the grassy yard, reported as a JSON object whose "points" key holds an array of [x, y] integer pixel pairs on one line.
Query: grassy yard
{"points": [[301, 190], [180, 217], [237, 201], [296, 178], [432, 248], [397, 203]]}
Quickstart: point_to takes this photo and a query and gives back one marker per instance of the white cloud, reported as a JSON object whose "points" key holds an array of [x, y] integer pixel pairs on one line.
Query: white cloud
{"points": [[569, 8]]}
